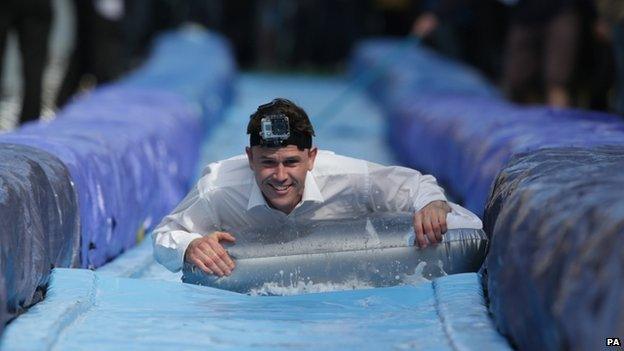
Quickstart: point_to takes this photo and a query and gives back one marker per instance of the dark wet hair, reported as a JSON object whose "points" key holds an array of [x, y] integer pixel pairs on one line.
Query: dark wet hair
{"points": [[297, 117]]}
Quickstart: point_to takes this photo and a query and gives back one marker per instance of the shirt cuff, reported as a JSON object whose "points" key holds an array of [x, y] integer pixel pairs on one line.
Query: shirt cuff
{"points": [[169, 248], [183, 243], [418, 205]]}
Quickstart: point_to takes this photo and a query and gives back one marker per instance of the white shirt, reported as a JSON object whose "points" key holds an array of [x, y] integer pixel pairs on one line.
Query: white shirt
{"points": [[227, 198]]}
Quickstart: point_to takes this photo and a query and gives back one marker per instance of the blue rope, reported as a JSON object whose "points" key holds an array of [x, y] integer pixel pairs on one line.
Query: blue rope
{"points": [[362, 81]]}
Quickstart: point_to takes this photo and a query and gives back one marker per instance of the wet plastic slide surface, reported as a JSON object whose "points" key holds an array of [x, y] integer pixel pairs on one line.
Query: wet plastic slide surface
{"points": [[89, 310]]}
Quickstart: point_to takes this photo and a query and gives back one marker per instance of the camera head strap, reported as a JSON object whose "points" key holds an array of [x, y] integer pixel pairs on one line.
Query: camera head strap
{"points": [[275, 132]]}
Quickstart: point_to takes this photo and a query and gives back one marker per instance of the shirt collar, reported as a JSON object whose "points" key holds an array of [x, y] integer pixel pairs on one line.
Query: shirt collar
{"points": [[311, 193]]}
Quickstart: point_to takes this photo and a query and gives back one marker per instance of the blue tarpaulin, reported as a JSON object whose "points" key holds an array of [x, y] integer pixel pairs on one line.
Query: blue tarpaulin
{"points": [[128, 153], [555, 269], [478, 136], [131, 147], [130, 150], [39, 225]]}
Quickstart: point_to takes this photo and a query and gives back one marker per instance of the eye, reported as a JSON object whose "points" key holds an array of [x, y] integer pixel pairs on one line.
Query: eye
{"points": [[292, 162], [268, 163]]}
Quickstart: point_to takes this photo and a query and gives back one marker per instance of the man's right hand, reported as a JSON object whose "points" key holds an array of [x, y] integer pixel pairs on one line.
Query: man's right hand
{"points": [[209, 255]]}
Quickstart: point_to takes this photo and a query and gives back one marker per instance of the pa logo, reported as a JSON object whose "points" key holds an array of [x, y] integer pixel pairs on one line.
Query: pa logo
{"points": [[613, 342]]}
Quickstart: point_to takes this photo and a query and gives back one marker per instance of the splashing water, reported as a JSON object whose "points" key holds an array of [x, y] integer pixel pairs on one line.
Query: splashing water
{"points": [[301, 286]]}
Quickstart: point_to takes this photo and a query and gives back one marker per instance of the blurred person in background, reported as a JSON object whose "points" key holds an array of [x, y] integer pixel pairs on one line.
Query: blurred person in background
{"points": [[99, 50], [541, 46], [468, 30], [31, 20], [610, 26]]}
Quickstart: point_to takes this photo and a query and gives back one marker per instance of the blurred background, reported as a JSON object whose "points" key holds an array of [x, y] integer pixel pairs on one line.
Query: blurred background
{"points": [[558, 52]]}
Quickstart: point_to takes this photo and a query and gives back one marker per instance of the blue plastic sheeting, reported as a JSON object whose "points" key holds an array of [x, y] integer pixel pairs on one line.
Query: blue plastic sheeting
{"points": [[129, 153], [132, 147], [403, 69], [193, 63], [465, 141], [555, 269], [39, 221], [438, 107], [446, 314]]}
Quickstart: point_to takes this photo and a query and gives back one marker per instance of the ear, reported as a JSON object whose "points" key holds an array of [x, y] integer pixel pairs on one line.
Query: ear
{"points": [[312, 157], [249, 153]]}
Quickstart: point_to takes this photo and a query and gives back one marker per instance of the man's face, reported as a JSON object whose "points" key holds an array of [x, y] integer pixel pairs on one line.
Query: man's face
{"points": [[280, 173]]}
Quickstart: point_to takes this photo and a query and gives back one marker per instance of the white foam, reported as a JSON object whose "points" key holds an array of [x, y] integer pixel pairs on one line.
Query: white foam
{"points": [[303, 287]]}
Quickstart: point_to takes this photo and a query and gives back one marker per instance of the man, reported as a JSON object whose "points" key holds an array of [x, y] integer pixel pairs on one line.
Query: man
{"points": [[31, 21], [285, 178]]}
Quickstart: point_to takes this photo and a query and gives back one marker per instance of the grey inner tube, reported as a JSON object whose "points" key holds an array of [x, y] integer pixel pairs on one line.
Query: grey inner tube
{"points": [[374, 251]]}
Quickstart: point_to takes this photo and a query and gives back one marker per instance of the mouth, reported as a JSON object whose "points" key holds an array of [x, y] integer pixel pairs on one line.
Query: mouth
{"points": [[280, 189]]}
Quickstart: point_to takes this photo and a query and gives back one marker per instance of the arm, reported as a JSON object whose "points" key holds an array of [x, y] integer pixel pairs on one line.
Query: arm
{"points": [[407, 190], [190, 233]]}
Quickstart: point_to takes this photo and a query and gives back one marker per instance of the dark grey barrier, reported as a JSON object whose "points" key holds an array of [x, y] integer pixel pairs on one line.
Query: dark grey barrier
{"points": [[375, 251], [555, 272], [39, 225]]}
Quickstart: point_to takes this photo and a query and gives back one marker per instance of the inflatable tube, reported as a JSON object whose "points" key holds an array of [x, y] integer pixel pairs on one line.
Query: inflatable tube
{"points": [[375, 251]]}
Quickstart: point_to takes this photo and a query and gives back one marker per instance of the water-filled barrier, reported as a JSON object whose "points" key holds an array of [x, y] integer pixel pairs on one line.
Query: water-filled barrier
{"points": [[39, 225], [556, 270], [129, 150], [374, 251], [553, 280]]}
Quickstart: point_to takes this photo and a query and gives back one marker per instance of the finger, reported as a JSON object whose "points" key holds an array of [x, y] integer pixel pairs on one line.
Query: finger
{"points": [[199, 264], [222, 253], [207, 258], [435, 226], [428, 229], [418, 229], [226, 236], [443, 225], [219, 255]]}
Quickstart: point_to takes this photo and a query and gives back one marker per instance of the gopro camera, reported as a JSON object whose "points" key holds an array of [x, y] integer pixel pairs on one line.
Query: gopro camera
{"points": [[274, 129]]}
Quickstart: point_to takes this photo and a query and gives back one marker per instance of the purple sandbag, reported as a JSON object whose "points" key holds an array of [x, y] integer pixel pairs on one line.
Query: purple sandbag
{"points": [[40, 225], [555, 272], [130, 152], [478, 136], [407, 69], [196, 64]]}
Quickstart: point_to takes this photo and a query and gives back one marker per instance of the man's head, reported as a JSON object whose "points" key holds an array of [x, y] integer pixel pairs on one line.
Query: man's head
{"points": [[280, 152]]}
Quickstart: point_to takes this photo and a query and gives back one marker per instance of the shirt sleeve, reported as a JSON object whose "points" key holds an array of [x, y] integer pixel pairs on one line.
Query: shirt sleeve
{"points": [[191, 219], [401, 189]]}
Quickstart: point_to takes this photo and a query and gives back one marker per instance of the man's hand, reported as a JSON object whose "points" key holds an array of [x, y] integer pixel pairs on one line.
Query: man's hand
{"points": [[430, 223], [208, 254]]}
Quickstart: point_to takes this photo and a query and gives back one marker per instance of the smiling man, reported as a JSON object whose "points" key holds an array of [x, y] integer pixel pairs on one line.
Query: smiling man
{"points": [[284, 178]]}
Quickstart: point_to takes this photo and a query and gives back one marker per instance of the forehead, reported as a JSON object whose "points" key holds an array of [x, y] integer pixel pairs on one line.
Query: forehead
{"points": [[278, 152]]}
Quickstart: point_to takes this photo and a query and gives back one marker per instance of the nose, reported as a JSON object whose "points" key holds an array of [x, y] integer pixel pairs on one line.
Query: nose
{"points": [[280, 173]]}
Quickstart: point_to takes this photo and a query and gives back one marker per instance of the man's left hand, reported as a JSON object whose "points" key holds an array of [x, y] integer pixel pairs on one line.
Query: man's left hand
{"points": [[430, 223]]}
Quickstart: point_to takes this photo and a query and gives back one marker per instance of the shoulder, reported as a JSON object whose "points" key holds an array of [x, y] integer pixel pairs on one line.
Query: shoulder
{"points": [[231, 172], [329, 163]]}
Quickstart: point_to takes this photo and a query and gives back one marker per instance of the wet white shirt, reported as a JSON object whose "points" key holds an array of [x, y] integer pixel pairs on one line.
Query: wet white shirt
{"points": [[227, 198]]}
